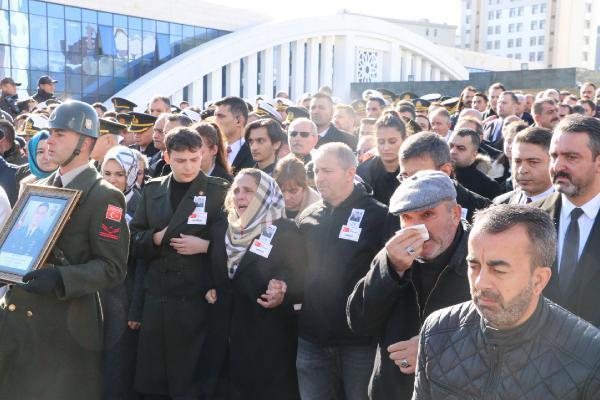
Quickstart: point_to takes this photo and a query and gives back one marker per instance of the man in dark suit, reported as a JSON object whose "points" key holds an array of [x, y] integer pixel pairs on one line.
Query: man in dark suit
{"points": [[231, 114], [321, 113], [575, 171], [507, 105]]}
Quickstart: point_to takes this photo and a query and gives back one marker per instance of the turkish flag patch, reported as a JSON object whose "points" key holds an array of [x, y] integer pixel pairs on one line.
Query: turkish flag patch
{"points": [[114, 213], [109, 233]]}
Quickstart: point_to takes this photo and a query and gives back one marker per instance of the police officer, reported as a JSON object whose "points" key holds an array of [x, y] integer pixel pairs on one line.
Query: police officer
{"points": [[52, 322]]}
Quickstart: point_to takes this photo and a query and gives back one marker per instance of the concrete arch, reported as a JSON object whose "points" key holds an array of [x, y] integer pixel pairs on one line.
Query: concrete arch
{"points": [[404, 51]]}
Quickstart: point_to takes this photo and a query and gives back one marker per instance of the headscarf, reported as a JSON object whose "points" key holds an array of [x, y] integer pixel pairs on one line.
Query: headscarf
{"points": [[32, 154], [266, 207], [127, 160]]}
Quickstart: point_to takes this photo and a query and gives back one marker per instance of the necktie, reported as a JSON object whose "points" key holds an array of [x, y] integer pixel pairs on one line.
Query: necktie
{"points": [[528, 200], [229, 149], [58, 182], [570, 252]]}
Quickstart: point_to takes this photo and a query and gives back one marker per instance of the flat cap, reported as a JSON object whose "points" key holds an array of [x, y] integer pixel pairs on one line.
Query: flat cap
{"points": [[422, 191]]}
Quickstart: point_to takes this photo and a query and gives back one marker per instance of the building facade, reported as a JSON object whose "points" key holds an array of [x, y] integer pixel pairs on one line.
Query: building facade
{"points": [[556, 33]]}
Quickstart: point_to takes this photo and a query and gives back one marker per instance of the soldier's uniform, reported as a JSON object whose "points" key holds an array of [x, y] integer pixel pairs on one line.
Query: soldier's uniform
{"points": [[174, 315], [51, 343]]}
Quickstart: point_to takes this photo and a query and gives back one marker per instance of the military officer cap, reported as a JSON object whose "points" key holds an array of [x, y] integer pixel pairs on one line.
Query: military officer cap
{"points": [[175, 109], [421, 105], [422, 191], [123, 105], [432, 97], [367, 94], [359, 106], [108, 125], [141, 122], [265, 109], [407, 96], [124, 118], [296, 112], [282, 104], [33, 124], [451, 104], [388, 95]]}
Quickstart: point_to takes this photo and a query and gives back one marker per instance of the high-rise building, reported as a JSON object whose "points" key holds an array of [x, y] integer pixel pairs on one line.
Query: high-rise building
{"points": [[556, 33]]}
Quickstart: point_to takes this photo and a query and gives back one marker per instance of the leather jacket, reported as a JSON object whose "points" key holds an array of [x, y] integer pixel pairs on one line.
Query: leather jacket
{"points": [[553, 355]]}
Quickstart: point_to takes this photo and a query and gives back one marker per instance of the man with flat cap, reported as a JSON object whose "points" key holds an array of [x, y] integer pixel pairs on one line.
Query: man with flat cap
{"points": [[142, 126], [109, 136], [9, 102], [122, 105], [421, 269], [45, 91]]}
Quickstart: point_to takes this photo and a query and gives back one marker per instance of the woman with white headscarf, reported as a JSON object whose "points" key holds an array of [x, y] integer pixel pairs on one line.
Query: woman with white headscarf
{"points": [[256, 259], [122, 305]]}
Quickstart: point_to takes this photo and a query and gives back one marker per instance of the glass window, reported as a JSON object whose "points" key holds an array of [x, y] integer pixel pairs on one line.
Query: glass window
{"points": [[175, 29], [18, 5], [490, 30], [4, 6], [106, 43], [188, 31], [120, 68], [520, 27], [73, 42], [73, 13], [90, 85], [19, 29], [518, 56], [38, 32], [135, 44], [533, 25], [162, 27], [510, 43], [4, 57], [489, 45], [149, 25], [73, 83], [121, 43], [496, 44], [534, 9], [542, 24], [37, 7], [511, 28], [20, 58], [541, 40], [89, 65], [175, 45], [518, 42], [135, 23], [540, 56], [21, 76], [34, 76], [105, 66], [89, 16], [490, 15], [4, 28], [120, 21], [56, 34], [105, 86], [149, 45], [88, 37], [56, 61], [105, 18], [56, 10], [120, 83], [163, 46], [532, 56], [520, 11], [532, 41], [38, 59], [200, 35], [73, 64], [498, 29]]}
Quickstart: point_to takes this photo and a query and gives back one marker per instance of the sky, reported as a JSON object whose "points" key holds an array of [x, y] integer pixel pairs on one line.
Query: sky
{"points": [[439, 11]]}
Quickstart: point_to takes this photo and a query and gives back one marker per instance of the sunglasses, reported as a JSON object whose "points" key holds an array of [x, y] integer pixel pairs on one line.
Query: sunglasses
{"points": [[303, 134]]}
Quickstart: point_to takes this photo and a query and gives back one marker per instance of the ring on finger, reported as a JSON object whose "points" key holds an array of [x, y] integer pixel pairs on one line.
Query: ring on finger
{"points": [[410, 250], [404, 363]]}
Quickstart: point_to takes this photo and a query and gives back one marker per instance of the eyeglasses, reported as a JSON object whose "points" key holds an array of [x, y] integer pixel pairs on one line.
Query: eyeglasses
{"points": [[303, 134]]}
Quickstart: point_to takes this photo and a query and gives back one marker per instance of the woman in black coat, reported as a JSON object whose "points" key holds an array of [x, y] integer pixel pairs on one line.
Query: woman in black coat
{"points": [[250, 349]]}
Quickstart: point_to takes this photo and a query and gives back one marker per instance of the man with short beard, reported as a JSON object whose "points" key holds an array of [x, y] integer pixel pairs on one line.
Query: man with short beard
{"points": [[575, 172], [508, 341]]}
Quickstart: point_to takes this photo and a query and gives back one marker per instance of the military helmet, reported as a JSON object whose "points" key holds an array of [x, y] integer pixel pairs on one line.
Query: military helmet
{"points": [[76, 116]]}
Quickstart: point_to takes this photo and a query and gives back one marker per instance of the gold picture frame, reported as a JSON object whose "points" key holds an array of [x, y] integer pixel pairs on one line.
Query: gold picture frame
{"points": [[34, 225]]}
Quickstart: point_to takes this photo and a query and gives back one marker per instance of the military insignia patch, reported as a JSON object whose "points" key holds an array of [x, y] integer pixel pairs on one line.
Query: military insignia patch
{"points": [[109, 233], [114, 213]]}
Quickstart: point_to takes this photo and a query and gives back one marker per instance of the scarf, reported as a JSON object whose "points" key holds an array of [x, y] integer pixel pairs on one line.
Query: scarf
{"points": [[127, 160], [266, 207], [32, 154]]}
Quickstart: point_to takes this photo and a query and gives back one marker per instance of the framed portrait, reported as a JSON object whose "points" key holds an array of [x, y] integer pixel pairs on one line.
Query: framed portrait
{"points": [[32, 228]]}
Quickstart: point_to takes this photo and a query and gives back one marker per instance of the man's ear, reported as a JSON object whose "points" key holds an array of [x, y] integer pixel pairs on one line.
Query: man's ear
{"points": [[166, 157], [541, 277]]}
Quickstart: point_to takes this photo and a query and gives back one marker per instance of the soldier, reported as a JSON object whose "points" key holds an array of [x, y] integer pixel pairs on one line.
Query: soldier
{"points": [[52, 323], [170, 231]]}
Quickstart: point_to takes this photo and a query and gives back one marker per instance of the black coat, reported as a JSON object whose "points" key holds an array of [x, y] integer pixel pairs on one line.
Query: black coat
{"points": [[9, 104], [583, 296], [243, 159], [149, 151], [386, 306], [41, 96], [174, 313], [488, 131], [382, 182], [8, 180], [157, 166], [334, 265], [220, 172], [251, 347], [476, 181], [335, 135], [470, 201]]}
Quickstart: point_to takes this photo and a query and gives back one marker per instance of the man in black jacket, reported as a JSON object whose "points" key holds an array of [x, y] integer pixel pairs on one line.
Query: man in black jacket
{"points": [[509, 342], [410, 278], [10, 98], [342, 233], [428, 150], [45, 91], [321, 113], [231, 115]]}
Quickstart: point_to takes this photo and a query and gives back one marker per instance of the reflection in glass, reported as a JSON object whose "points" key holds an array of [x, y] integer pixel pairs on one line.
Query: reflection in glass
{"points": [[56, 10], [56, 61], [73, 63], [149, 45], [73, 42], [88, 37], [135, 44], [106, 44], [19, 29], [175, 45], [105, 66], [90, 85], [37, 7], [18, 5], [149, 25], [56, 34], [73, 13], [20, 58], [37, 34], [88, 16], [135, 23], [89, 65], [120, 67], [105, 86], [162, 27], [4, 57], [120, 21], [121, 43], [39, 59], [163, 46], [73, 83], [21, 76], [34, 76], [4, 28], [105, 18]]}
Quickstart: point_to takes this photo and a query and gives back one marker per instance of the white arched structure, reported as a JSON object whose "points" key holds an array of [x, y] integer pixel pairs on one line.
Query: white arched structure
{"points": [[298, 56]]}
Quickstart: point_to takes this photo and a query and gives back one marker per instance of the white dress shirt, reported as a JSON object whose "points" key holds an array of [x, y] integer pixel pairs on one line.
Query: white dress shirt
{"points": [[235, 149], [541, 196], [586, 222]]}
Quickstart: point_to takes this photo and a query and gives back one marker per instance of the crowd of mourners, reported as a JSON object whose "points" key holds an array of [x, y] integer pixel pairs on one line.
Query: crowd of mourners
{"points": [[399, 246]]}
